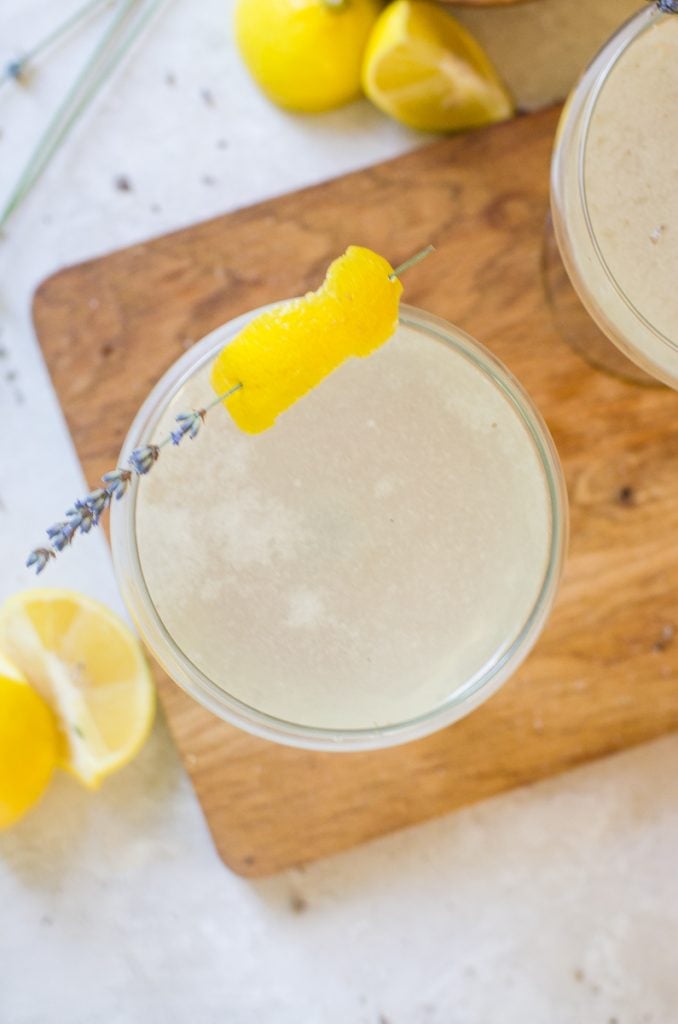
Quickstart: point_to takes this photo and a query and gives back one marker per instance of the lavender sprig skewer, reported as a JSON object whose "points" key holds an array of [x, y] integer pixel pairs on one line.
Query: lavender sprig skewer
{"points": [[17, 68], [86, 513]]}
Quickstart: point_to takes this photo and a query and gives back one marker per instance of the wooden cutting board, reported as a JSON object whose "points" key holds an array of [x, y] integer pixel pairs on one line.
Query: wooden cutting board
{"points": [[484, 3], [604, 674]]}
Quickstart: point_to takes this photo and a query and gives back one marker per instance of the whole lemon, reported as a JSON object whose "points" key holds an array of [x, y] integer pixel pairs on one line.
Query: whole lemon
{"points": [[306, 55], [28, 744]]}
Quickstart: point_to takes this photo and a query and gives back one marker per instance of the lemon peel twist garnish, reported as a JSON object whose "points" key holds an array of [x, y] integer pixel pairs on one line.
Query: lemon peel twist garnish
{"points": [[287, 350]]}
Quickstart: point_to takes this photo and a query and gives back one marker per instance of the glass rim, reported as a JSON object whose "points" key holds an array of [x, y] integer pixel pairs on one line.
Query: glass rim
{"points": [[192, 680]]}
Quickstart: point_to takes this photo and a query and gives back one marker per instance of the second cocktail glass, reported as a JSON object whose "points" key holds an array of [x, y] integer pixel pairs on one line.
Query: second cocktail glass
{"points": [[365, 572], [614, 195]]}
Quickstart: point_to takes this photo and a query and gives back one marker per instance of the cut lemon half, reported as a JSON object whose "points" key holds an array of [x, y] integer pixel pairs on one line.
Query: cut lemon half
{"points": [[424, 69], [90, 669]]}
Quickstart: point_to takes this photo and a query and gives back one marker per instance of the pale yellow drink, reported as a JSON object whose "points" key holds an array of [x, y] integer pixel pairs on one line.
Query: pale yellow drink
{"points": [[615, 197], [373, 556]]}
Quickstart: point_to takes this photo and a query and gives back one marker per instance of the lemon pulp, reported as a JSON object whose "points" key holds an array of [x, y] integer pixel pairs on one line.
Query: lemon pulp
{"points": [[424, 69]]}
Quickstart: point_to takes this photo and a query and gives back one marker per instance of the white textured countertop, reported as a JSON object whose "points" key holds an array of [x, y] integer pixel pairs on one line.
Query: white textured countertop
{"points": [[554, 904]]}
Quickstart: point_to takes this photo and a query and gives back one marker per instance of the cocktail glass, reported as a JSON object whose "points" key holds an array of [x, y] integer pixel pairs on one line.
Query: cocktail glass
{"points": [[365, 572], [615, 202]]}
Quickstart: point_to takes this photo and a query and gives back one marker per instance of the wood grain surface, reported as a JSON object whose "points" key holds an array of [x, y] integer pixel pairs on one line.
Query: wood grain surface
{"points": [[484, 3], [604, 674]]}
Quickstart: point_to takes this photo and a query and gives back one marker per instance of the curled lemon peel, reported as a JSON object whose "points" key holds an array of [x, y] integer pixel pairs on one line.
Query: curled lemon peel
{"points": [[287, 350]]}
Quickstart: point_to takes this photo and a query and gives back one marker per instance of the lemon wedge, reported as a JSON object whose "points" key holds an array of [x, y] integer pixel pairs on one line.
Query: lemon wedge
{"points": [[90, 669], [424, 69], [28, 744]]}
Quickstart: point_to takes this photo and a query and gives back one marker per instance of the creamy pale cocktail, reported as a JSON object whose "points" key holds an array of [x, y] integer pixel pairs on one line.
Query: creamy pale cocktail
{"points": [[614, 194], [365, 571]]}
